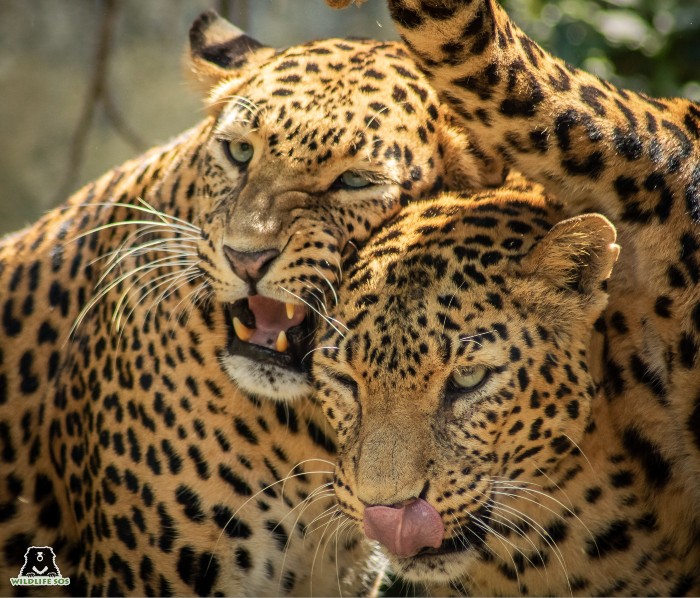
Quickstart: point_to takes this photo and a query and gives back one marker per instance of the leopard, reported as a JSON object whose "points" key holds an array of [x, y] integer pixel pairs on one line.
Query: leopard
{"points": [[157, 428], [464, 375], [503, 491]]}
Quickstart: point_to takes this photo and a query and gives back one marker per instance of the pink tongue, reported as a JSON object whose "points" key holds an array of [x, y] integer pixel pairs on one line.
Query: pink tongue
{"points": [[405, 530], [270, 318]]}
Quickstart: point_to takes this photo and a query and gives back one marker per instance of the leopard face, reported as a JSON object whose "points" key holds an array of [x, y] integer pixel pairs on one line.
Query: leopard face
{"points": [[461, 383], [311, 149]]}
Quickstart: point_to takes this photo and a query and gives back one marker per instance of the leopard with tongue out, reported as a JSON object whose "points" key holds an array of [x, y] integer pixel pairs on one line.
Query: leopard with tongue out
{"points": [[148, 320], [510, 421]]}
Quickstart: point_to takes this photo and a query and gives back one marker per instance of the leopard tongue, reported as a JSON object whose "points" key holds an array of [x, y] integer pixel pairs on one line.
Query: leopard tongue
{"points": [[272, 321], [405, 530]]}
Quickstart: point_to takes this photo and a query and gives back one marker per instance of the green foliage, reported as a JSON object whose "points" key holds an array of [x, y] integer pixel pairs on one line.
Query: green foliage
{"points": [[647, 45]]}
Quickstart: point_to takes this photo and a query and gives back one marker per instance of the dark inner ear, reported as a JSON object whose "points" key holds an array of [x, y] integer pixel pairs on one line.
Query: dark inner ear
{"points": [[215, 40]]}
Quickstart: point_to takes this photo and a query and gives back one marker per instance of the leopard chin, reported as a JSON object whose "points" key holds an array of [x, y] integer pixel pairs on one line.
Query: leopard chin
{"points": [[267, 352], [267, 380]]}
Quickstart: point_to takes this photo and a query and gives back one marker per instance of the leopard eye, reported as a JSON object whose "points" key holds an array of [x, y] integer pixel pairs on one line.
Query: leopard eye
{"points": [[468, 379], [352, 179], [239, 152]]}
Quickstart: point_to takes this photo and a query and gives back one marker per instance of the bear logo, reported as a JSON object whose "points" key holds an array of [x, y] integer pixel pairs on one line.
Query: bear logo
{"points": [[39, 561]]}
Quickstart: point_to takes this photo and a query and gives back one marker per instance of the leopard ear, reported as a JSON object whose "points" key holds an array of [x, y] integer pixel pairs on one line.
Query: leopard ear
{"points": [[221, 51], [576, 255]]}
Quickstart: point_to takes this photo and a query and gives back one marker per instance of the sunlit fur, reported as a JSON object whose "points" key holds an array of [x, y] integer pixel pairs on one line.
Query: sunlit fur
{"points": [[532, 459], [312, 113]]}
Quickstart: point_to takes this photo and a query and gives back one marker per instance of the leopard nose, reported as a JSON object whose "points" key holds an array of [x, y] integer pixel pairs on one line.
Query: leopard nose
{"points": [[250, 265]]}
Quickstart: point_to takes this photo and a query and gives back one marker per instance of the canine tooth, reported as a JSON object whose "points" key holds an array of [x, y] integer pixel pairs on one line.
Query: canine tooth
{"points": [[281, 345], [290, 310], [242, 331]]}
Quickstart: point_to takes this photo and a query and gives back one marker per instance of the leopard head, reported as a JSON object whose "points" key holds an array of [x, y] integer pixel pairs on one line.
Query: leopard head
{"points": [[461, 370], [311, 150]]}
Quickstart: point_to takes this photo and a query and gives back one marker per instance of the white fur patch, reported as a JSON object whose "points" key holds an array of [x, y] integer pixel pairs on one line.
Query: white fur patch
{"points": [[265, 380]]}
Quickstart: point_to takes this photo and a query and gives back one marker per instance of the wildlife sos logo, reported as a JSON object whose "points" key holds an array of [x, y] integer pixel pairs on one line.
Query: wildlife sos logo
{"points": [[40, 569]]}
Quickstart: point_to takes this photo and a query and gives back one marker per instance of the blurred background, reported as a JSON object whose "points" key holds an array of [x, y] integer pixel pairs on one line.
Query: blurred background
{"points": [[86, 84]]}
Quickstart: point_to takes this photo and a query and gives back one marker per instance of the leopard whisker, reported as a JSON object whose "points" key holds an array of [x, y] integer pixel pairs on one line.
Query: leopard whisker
{"points": [[341, 528], [501, 538], [335, 295], [170, 279], [532, 491], [519, 532], [449, 305], [175, 285], [328, 492], [189, 301], [537, 527], [327, 319], [153, 246], [319, 349], [145, 207], [318, 298], [580, 450], [337, 518], [253, 497], [471, 337], [154, 228], [113, 284], [149, 286], [320, 493]]}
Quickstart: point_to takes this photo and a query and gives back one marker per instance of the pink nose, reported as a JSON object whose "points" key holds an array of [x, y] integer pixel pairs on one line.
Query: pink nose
{"points": [[405, 530], [250, 265]]}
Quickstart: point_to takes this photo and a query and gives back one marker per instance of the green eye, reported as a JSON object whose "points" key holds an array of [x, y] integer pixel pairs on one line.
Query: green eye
{"points": [[468, 379], [351, 179], [238, 152]]}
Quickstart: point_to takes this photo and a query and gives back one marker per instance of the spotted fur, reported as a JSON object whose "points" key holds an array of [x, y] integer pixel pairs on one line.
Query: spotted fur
{"points": [[538, 490], [132, 441], [601, 148], [628, 482]]}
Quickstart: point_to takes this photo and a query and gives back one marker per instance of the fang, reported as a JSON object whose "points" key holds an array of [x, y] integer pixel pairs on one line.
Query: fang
{"points": [[242, 331], [282, 345]]}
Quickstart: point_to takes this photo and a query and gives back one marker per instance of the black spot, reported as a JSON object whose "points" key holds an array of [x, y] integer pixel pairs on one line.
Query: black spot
{"points": [[662, 307], [239, 485], [572, 408], [243, 559], [643, 372], [693, 422], [191, 502], [232, 525], [186, 564], [593, 494], [208, 572], [50, 515], [683, 585], [614, 538], [656, 468], [244, 430], [560, 444], [278, 533], [124, 531], [199, 461], [168, 529], [319, 438], [523, 378], [622, 479]]}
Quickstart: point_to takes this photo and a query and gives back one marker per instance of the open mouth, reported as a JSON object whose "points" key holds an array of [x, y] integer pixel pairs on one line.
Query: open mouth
{"points": [[270, 331]]}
